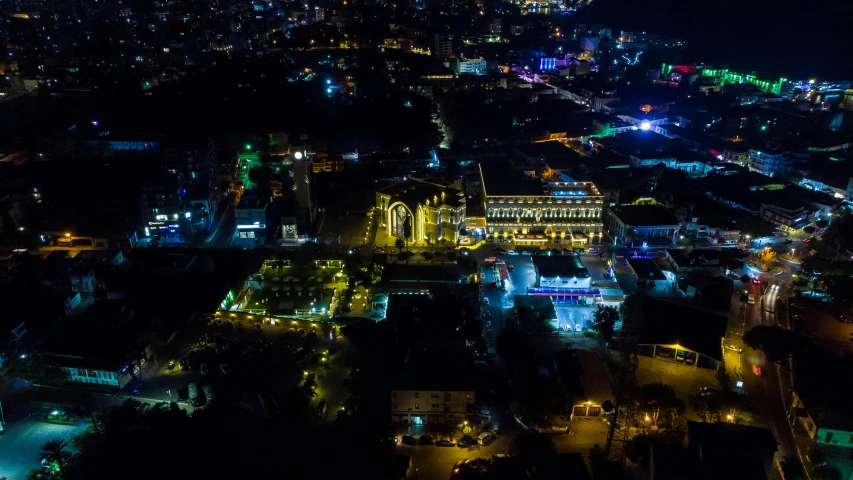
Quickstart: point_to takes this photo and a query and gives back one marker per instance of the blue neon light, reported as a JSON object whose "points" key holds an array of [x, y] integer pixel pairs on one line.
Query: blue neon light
{"points": [[568, 193]]}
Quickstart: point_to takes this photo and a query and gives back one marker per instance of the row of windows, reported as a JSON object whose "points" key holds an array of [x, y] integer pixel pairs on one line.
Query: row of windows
{"points": [[95, 381], [417, 406], [540, 201], [548, 212], [82, 372], [434, 395]]}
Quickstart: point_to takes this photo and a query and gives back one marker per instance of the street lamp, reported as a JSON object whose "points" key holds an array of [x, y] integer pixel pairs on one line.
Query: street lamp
{"points": [[729, 418]]}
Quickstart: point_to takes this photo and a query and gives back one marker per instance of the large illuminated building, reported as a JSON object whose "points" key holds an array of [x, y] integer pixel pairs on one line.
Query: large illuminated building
{"points": [[529, 211], [421, 210]]}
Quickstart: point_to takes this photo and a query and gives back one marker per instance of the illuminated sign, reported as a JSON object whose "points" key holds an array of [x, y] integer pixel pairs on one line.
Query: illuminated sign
{"points": [[255, 225], [162, 217], [156, 223]]}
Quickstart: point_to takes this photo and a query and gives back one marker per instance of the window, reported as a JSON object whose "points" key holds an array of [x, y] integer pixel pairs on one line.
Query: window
{"points": [[434, 395], [417, 395], [417, 406], [434, 405]]}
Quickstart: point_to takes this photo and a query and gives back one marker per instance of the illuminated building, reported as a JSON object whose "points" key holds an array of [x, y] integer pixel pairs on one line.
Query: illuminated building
{"points": [[781, 87], [251, 218], [529, 211], [768, 163], [475, 66], [420, 210]]}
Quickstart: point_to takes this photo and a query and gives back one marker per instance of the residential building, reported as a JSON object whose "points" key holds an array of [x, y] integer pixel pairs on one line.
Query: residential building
{"points": [[770, 163], [92, 372], [695, 261], [529, 211], [420, 407], [251, 217], [422, 210], [162, 204], [443, 47], [474, 66], [646, 224], [562, 271]]}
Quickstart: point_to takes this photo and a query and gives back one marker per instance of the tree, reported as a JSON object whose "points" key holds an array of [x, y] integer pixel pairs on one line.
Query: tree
{"points": [[261, 177], [776, 342], [604, 321], [809, 229], [400, 244], [51, 452], [821, 223], [451, 256], [765, 258], [427, 255], [658, 399]]}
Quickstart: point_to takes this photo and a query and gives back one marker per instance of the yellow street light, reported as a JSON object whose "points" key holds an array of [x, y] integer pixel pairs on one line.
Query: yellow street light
{"points": [[729, 418], [67, 234]]}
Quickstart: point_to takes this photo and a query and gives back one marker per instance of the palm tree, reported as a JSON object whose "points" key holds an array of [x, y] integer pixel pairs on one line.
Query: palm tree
{"points": [[52, 453]]}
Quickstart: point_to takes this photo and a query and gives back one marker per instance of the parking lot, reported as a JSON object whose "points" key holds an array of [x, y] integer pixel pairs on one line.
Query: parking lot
{"points": [[685, 379], [21, 445]]}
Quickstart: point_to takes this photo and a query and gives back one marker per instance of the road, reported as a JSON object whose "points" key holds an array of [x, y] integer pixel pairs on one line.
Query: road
{"points": [[763, 387]]}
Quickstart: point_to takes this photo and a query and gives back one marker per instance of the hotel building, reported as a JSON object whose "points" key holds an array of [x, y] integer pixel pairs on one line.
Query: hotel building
{"points": [[528, 211]]}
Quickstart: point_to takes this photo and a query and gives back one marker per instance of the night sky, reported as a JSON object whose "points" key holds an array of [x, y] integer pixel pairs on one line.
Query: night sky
{"points": [[796, 40]]}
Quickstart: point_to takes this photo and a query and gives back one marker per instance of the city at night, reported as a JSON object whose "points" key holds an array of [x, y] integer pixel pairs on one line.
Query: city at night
{"points": [[426, 240]]}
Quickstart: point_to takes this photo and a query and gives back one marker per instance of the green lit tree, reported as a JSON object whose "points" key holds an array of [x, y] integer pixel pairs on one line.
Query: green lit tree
{"points": [[51, 453], [604, 321]]}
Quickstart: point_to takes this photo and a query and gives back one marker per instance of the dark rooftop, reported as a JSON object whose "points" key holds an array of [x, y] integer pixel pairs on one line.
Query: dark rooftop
{"points": [[644, 215], [723, 438], [567, 266], [504, 180], [673, 324], [414, 191], [646, 269]]}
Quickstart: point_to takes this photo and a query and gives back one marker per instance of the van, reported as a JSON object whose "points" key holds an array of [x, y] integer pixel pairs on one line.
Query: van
{"points": [[208, 392], [485, 438], [193, 393]]}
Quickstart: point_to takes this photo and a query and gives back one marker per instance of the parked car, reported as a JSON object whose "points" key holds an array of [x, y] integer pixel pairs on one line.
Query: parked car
{"points": [[510, 268], [444, 442], [466, 441], [527, 252], [379, 250], [426, 440], [485, 438], [239, 325], [488, 324], [690, 360], [733, 348], [258, 327], [193, 393], [208, 392], [485, 300], [203, 369], [321, 409], [511, 253], [408, 440], [578, 327], [487, 315], [224, 368], [679, 356], [750, 299], [705, 391]]}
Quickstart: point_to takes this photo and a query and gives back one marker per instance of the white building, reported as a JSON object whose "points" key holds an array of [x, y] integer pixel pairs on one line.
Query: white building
{"points": [[475, 66], [565, 271], [768, 163], [251, 217], [419, 407]]}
